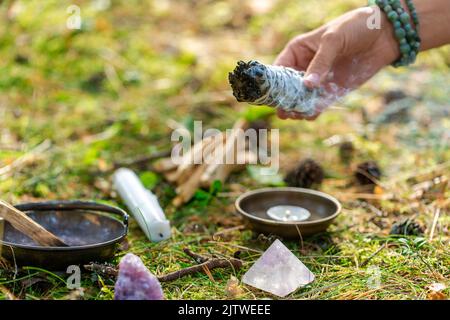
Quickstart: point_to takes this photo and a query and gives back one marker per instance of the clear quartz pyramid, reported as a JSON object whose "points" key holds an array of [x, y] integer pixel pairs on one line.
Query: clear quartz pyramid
{"points": [[278, 271]]}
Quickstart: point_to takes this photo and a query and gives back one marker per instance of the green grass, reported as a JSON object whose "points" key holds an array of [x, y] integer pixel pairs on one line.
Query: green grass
{"points": [[104, 94]]}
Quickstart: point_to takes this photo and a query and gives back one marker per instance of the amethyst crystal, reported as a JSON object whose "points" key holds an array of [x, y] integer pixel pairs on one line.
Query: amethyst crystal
{"points": [[135, 281]]}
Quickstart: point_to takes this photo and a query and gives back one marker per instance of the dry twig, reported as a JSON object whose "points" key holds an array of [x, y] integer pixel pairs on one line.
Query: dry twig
{"points": [[209, 264], [205, 264]]}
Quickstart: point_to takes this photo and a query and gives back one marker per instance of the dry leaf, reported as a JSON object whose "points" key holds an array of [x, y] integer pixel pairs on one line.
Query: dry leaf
{"points": [[436, 291], [378, 190], [233, 290], [436, 296]]}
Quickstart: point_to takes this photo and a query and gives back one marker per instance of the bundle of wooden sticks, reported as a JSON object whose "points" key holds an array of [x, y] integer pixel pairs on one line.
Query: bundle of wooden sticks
{"points": [[189, 175]]}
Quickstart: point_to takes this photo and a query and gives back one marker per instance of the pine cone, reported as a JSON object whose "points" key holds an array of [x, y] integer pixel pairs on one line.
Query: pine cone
{"points": [[346, 152], [307, 174], [367, 173], [407, 227]]}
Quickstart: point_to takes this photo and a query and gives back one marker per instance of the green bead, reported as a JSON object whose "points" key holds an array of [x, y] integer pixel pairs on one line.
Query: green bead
{"points": [[411, 34], [396, 5], [400, 33], [387, 9], [397, 24], [405, 48], [392, 15], [403, 41], [407, 27], [404, 17]]}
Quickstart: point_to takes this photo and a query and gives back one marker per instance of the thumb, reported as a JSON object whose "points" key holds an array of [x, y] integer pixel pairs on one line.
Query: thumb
{"points": [[323, 60]]}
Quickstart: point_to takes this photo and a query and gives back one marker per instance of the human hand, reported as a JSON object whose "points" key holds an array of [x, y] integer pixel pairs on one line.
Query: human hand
{"points": [[340, 56]]}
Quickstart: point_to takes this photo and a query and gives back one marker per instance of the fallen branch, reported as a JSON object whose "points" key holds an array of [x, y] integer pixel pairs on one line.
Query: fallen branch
{"points": [[142, 160], [104, 269], [208, 265], [365, 262], [205, 265], [197, 257]]}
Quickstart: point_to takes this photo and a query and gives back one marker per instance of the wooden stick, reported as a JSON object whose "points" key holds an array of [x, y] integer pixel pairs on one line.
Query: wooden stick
{"points": [[184, 170], [197, 257], [229, 146], [28, 226], [207, 265], [435, 221], [223, 172], [170, 176], [365, 262], [164, 165], [187, 190], [141, 160], [104, 269]]}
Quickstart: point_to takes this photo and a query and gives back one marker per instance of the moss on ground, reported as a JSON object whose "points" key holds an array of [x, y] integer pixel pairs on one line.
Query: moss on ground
{"points": [[104, 95]]}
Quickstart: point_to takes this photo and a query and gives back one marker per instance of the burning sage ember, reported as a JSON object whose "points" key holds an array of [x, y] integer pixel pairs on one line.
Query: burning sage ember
{"points": [[275, 86], [288, 213]]}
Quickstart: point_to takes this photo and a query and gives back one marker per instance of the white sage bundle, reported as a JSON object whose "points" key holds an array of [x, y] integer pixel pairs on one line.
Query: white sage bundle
{"points": [[275, 86]]}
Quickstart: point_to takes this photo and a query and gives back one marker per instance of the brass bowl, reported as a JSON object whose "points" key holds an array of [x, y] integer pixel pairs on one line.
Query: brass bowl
{"points": [[253, 206]]}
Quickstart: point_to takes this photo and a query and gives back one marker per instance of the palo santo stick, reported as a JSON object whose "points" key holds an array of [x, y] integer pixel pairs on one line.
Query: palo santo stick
{"points": [[187, 190], [222, 173], [28, 226], [229, 147], [191, 181], [185, 169], [164, 165], [170, 176]]}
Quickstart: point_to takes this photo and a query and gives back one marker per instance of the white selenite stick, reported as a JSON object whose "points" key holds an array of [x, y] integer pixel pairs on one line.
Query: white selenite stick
{"points": [[143, 205]]}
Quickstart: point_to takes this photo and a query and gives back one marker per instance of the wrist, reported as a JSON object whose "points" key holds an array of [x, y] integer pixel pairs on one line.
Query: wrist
{"points": [[390, 48], [403, 18], [434, 22]]}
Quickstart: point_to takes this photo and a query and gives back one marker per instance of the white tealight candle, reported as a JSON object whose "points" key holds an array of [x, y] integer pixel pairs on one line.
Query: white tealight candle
{"points": [[288, 213]]}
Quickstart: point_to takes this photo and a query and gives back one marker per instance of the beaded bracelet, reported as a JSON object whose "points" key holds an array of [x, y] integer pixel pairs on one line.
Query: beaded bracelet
{"points": [[407, 37]]}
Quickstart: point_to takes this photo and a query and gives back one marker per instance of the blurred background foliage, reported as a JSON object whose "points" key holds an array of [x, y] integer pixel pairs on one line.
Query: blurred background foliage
{"points": [[76, 103]]}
